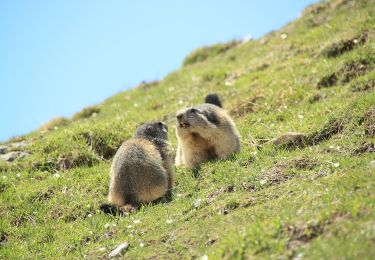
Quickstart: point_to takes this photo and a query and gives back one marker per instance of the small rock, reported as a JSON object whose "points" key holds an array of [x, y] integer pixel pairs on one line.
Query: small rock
{"points": [[289, 137], [19, 144], [3, 149], [223, 211], [197, 203], [119, 251], [284, 36], [11, 156], [322, 173], [204, 257]]}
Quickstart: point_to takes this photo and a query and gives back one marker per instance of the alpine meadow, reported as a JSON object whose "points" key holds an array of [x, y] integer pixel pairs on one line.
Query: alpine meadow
{"points": [[302, 186]]}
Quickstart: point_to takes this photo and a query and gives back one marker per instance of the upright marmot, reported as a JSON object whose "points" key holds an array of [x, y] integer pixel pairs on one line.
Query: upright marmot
{"points": [[141, 170], [205, 132]]}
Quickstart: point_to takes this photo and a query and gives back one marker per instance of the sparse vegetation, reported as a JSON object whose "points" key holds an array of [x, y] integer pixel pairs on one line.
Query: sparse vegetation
{"points": [[312, 198]]}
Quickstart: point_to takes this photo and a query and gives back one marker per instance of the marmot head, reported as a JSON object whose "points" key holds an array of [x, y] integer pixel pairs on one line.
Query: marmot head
{"points": [[152, 131], [193, 118]]}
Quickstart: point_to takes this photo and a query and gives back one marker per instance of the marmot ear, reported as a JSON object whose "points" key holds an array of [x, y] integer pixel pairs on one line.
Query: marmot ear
{"points": [[213, 99]]}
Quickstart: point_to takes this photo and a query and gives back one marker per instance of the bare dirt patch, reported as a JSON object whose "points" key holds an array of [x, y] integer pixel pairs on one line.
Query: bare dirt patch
{"points": [[339, 48], [366, 147], [327, 81], [345, 74], [245, 107], [276, 175], [364, 86], [316, 98], [3, 238], [333, 127], [302, 233], [289, 139], [353, 70], [368, 122]]}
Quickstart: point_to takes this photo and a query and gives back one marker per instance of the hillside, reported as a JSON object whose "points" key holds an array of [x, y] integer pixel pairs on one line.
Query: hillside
{"points": [[310, 198]]}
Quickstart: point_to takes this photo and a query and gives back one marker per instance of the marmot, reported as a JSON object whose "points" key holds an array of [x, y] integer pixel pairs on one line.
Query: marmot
{"points": [[205, 132], [142, 169]]}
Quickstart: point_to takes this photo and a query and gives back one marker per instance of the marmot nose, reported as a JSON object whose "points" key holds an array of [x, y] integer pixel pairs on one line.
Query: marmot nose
{"points": [[179, 117]]}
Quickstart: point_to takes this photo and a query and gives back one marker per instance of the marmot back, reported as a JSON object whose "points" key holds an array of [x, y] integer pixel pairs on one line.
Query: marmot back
{"points": [[141, 170], [205, 132]]}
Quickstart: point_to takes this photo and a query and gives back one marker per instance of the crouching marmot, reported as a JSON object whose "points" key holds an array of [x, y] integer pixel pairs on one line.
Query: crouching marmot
{"points": [[205, 132], [142, 169]]}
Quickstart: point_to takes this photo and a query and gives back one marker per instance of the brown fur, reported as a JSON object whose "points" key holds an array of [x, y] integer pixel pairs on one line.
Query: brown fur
{"points": [[141, 170], [205, 132]]}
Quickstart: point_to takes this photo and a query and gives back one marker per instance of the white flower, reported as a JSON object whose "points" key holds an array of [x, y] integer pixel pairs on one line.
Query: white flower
{"points": [[141, 244], [300, 116], [18, 175], [204, 257], [56, 175], [129, 226], [179, 195], [262, 182], [102, 249], [89, 215], [336, 164], [107, 225], [169, 221], [136, 221]]}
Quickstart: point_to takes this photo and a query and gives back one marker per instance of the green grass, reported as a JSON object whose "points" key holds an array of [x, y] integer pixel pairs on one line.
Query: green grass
{"points": [[312, 201]]}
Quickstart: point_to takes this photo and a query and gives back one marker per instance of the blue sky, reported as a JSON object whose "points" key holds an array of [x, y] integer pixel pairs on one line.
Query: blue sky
{"points": [[57, 57]]}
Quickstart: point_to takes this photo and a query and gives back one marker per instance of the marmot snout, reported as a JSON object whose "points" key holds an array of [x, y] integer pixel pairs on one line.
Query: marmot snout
{"points": [[141, 170], [205, 132]]}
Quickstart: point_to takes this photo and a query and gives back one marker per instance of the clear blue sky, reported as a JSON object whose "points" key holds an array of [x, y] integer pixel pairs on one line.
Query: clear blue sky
{"points": [[58, 56]]}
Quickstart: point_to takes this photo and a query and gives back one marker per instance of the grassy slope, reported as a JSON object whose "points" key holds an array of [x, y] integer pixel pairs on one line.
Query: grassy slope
{"points": [[315, 200]]}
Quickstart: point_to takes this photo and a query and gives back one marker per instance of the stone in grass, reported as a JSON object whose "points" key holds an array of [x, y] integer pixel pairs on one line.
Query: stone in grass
{"points": [[11, 156], [289, 138], [119, 251], [3, 149]]}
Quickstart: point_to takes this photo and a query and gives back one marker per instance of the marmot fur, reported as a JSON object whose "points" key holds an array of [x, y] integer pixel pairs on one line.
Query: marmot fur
{"points": [[142, 169], [205, 132]]}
